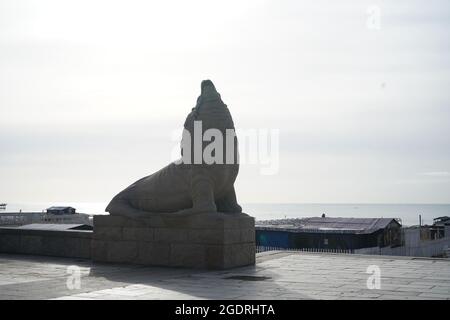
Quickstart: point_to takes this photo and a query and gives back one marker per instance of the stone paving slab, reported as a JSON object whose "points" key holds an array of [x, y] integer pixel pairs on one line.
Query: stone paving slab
{"points": [[276, 275]]}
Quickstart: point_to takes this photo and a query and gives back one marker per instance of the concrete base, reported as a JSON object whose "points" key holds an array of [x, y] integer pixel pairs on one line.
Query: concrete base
{"points": [[209, 241], [67, 243]]}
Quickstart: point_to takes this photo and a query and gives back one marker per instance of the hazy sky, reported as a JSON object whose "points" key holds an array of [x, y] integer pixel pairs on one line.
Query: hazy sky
{"points": [[91, 92]]}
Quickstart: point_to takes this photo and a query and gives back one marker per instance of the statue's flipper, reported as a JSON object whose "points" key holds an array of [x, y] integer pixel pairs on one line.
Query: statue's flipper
{"points": [[228, 203], [122, 207]]}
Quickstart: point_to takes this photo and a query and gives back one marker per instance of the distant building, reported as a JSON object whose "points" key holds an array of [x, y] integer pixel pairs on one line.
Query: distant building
{"points": [[61, 210], [411, 236], [439, 229], [442, 227], [329, 233], [56, 227]]}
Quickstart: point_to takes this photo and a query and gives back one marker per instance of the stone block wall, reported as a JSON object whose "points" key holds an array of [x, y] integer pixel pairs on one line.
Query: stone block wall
{"points": [[68, 243], [210, 241]]}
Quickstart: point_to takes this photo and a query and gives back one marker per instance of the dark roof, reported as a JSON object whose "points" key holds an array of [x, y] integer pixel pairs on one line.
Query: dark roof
{"points": [[441, 221], [327, 225], [59, 208], [55, 227]]}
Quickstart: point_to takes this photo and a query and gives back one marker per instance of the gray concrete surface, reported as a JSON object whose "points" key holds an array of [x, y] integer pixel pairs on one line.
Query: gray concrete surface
{"points": [[276, 275]]}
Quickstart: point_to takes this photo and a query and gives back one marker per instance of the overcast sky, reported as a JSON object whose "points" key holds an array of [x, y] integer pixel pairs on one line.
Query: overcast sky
{"points": [[91, 92]]}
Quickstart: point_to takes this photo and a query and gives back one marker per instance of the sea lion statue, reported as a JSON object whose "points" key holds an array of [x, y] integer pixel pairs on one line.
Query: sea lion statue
{"points": [[203, 179]]}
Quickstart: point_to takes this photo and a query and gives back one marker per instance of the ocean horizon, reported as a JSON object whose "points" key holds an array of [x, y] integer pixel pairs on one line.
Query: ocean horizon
{"points": [[407, 213]]}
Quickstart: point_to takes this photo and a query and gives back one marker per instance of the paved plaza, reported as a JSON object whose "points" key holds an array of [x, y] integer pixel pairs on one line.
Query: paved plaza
{"points": [[276, 275]]}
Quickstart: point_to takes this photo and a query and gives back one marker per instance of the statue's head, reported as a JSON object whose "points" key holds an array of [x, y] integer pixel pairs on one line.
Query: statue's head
{"points": [[208, 92], [207, 87]]}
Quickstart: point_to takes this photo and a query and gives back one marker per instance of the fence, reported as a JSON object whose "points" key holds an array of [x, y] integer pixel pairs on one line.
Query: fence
{"points": [[266, 248], [429, 248]]}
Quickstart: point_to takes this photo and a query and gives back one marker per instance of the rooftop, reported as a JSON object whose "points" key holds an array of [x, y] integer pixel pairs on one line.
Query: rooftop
{"points": [[55, 226], [276, 275], [328, 224], [59, 208]]}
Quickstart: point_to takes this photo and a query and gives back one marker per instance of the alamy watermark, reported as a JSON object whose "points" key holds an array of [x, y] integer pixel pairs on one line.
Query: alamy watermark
{"points": [[213, 146], [73, 281], [373, 21], [374, 280]]}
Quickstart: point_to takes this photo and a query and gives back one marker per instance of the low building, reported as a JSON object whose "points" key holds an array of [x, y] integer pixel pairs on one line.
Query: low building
{"points": [[440, 227], [61, 210], [438, 230], [22, 218], [411, 236], [329, 233], [56, 226]]}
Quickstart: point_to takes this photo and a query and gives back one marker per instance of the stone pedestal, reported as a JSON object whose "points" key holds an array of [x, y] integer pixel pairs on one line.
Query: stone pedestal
{"points": [[210, 240]]}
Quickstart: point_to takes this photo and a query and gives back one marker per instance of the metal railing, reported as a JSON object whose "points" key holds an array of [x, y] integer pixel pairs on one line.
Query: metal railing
{"points": [[429, 248], [318, 250], [434, 248]]}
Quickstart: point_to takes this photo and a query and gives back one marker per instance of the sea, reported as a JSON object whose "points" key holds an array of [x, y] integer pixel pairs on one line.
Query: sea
{"points": [[407, 213]]}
